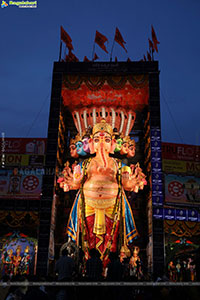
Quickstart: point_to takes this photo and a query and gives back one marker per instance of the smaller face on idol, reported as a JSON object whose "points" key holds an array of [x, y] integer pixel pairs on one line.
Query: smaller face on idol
{"points": [[131, 151], [73, 151], [86, 144], [102, 139], [118, 145], [124, 149], [79, 148]]}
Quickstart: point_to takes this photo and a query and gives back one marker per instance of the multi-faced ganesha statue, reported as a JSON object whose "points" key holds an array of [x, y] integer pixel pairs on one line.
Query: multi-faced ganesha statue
{"points": [[101, 211]]}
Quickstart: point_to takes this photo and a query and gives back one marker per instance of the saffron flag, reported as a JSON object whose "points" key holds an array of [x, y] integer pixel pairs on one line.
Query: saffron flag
{"points": [[100, 40], [151, 46], [148, 56], [71, 57], [119, 39], [144, 58], [86, 59], [66, 38], [154, 39], [95, 57]]}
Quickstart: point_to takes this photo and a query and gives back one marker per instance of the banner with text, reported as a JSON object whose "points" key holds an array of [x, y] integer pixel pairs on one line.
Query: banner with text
{"points": [[21, 184], [182, 189]]}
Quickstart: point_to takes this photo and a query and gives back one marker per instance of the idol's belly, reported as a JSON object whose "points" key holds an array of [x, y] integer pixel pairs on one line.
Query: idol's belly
{"points": [[100, 193]]}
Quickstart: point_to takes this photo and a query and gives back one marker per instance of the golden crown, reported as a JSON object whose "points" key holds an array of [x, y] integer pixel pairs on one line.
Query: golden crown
{"points": [[72, 141], [132, 142], [126, 139], [75, 140], [102, 126]]}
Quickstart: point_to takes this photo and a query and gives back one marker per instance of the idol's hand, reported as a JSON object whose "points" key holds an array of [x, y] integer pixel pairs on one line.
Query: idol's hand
{"points": [[73, 180], [70, 181], [77, 174], [141, 178], [129, 182], [133, 179]]}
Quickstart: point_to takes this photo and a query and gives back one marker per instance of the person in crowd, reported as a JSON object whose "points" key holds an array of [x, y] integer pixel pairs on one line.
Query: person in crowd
{"points": [[65, 267], [126, 269], [94, 266], [197, 263], [172, 271], [114, 274], [115, 268]]}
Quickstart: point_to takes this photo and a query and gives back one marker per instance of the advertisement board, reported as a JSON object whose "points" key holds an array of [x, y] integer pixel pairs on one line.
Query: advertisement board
{"points": [[171, 151], [21, 184], [22, 160], [181, 166], [182, 189], [23, 146]]}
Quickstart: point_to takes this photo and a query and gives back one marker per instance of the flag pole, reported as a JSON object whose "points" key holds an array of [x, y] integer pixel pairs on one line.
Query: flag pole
{"points": [[93, 51], [112, 50], [93, 48], [60, 51], [151, 52]]}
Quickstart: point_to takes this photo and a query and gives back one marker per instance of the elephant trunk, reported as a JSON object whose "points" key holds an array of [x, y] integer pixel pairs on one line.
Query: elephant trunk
{"points": [[103, 156]]}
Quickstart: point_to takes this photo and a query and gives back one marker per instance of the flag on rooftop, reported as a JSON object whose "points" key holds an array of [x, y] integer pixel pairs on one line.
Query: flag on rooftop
{"points": [[100, 40], [119, 39]]}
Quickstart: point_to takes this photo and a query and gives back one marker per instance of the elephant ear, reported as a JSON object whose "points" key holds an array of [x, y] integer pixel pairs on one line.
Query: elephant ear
{"points": [[91, 146], [113, 145]]}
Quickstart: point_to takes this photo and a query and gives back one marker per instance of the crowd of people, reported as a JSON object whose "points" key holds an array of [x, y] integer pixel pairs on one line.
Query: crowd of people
{"points": [[121, 268], [66, 270], [185, 270]]}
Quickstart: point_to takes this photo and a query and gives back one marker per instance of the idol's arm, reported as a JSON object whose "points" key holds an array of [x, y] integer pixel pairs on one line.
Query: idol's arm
{"points": [[128, 183], [73, 183], [70, 181], [133, 179]]}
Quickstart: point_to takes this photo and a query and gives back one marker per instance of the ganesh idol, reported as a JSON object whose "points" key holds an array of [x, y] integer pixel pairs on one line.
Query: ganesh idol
{"points": [[101, 215]]}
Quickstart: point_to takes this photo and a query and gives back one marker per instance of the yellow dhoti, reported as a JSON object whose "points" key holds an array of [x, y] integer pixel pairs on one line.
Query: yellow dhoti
{"points": [[99, 208]]}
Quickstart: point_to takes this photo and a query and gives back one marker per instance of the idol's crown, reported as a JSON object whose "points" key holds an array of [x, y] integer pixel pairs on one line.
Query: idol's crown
{"points": [[126, 139], [75, 140], [102, 126]]}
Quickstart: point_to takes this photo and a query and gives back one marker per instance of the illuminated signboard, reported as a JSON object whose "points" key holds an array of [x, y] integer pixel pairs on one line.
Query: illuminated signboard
{"points": [[21, 184], [182, 189]]}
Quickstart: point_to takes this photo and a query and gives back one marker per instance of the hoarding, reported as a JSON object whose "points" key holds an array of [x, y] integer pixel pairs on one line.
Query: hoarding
{"points": [[181, 166], [182, 189], [21, 184], [171, 151], [23, 145], [22, 160]]}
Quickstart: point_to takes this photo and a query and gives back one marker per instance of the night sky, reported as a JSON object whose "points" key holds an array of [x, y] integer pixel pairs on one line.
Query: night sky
{"points": [[30, 40]]}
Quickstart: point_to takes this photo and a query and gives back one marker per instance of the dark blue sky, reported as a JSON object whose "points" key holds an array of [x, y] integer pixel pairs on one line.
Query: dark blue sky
{"points": [[30, 44]]}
